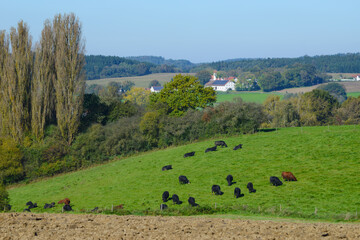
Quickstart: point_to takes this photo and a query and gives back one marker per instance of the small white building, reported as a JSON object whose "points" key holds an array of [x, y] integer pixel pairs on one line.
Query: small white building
{"points": [[221, 85], [357, 78], [155, 89]]}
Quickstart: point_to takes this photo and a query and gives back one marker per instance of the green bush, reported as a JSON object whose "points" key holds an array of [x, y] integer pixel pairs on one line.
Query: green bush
{"points": [[4, 197], [11, 169]]}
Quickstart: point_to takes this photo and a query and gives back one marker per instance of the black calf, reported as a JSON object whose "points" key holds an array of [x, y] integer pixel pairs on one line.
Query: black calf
{"points": [[237, 147], [191, 201], [163, 206], [212, 149], [220, 143], [251, 188], [229, 179], [237, 192], [167, 167], [165, 196], [216, 189], [190, 154], [95, 209], [46, 206], [67, 208], [275, 181], [183, 180], [176, 199]]}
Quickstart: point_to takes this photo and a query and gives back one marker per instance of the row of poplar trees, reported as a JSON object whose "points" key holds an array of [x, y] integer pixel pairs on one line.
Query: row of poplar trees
{"points": [[42, 84]]}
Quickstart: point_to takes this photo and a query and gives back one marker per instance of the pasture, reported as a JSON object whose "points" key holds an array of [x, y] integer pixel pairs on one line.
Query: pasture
{"points": [[353, 94], [257, 97], [325, 160], [140, 81]]}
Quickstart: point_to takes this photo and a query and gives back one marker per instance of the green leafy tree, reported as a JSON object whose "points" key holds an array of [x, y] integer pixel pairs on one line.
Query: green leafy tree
{"points": [[270, 81], [154, 83], [336, 90], [349, 112], [203, 76], [11, 168], [181, 94]]}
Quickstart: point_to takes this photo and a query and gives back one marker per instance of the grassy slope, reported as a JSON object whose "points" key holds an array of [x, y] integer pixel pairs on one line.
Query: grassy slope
{"points": [[324, 159], [257, 97], [140, 81]]}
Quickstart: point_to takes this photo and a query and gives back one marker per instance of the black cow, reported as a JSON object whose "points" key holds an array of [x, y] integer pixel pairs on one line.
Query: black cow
{"points": [[176, 199], [212, 149], [163, 206], [26, 210], [191, 201], [220, 143], [229, 179], [165, 196], [31, 205], [237, 192], [190, 154], [183, 180], [216, 189], [7, 207], [95, 209], [237, 147], [67, 208], [275, 181], [167, 167], [251, 188], [47, 205]]}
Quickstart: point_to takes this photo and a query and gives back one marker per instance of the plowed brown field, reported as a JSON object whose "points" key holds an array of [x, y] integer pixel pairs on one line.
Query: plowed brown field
{"points": [[71, 226]]}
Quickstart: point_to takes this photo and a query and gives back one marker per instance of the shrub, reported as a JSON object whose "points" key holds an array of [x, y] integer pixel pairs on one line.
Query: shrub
{"points": [[4, 197], [11, 169]]}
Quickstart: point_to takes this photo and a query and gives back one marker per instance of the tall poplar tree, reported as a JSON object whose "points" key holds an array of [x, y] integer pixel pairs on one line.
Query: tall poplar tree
{"points": [[42, 87], [17, 80], [4, 52], [70, 78]]}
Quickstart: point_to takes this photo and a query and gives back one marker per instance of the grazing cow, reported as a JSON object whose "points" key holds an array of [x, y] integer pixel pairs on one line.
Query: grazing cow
{"points": [[47, 205], [31, 205], [165, 196], [229, 179], [167, 167], [237, 147], [176, 199], [26, 210], [95, 209], [216, 189], [7, 207], [250, 186], [275, 181], [237, 192], [65, 200], [190, 154], [220, 143], [121, 206], [288, 176], [191, 201], [163, 206], [67, 208], [212, 149], [183, 179]]}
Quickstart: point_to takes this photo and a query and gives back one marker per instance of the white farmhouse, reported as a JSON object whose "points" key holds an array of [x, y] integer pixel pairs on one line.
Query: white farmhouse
{"points": [[221, 85], [155, 89]]}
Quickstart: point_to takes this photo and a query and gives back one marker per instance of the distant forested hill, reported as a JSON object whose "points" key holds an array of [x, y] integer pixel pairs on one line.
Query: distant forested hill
{"points": [[98, 66], [184, 65], [339, 63]]}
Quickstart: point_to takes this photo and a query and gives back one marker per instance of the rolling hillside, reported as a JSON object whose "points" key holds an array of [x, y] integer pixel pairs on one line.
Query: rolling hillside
{"points": [[324, 159]]}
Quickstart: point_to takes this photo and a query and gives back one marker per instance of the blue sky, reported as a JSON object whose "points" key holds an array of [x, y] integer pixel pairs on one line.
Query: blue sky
{"points": [[201, 30]]}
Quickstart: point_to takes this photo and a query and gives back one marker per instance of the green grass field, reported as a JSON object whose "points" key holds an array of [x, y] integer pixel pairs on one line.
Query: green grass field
{"points": [[325, 161], [140, 81], [353, 94], [257, 97]]}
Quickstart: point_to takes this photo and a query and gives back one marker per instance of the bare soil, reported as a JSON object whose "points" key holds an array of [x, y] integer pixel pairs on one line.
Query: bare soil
{"points": [[349, 87], [71, 226]]}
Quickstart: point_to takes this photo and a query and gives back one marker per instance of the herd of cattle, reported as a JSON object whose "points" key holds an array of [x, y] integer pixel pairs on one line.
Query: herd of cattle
{"points": [[215, 189]]}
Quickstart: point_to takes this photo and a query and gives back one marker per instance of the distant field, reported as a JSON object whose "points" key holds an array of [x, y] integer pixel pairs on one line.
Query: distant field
{"points": [[257, 97], [341, 75], [353, 94], [140, 81], [325, 161]]}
